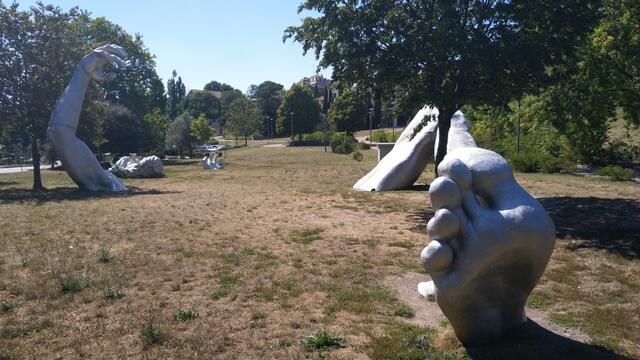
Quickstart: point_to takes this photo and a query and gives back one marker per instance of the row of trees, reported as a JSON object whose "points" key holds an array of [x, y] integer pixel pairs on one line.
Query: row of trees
{"points": [[571, 64]]}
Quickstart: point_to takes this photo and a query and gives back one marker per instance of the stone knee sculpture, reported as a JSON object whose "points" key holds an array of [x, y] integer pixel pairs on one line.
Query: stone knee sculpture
{"points": [[491, 242], [78, 160], [408, 158]]}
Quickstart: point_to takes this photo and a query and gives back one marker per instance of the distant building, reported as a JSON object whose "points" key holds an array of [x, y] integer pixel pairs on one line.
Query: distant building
{"points": [[321, 89]]}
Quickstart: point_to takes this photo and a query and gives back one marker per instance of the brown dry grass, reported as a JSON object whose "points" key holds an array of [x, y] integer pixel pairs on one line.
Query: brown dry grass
{"points": [[272, 248]]}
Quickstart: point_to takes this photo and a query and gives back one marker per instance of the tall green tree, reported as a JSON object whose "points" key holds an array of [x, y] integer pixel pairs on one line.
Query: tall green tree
{"points": [[38, 52], [179, 134], [201, 131], [348, 112], [176, 91], [268, 96], [298, 113], [202, 102], [155, 125], [243, 119], [123, 131], [217, 86], [442, 52], [138, 86]]}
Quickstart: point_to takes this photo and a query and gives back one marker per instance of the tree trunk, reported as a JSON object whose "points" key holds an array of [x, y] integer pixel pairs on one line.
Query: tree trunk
{"points": [[377, 109], [444, 123], [35, 156], [245, 141]]}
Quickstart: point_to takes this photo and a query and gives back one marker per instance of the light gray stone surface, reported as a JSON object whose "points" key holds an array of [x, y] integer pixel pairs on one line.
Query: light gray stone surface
{"points": [[134, 167], [490, 243], [78, 160], [408, 158]]}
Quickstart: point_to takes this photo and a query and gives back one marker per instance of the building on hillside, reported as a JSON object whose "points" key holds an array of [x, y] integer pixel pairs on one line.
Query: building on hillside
{"points": [[321, 89]]}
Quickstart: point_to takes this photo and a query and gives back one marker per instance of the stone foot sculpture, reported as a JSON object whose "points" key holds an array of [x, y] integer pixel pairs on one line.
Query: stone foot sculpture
{"points": [[78, 160], [490, 244], [408, 158]]}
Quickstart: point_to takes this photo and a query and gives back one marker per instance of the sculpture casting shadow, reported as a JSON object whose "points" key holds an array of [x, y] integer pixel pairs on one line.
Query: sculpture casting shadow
{"points": [[59, 194], [533, 342], [598, 223]]}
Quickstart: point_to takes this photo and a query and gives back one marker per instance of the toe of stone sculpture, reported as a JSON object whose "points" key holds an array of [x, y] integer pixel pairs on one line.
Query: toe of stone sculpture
{"points": [[490, 243], [408, 158]]}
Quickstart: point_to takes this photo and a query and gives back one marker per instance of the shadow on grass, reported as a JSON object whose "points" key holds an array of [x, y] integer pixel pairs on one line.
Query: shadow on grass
{"points": [[179, 162], [7, 183], [533, 342], [610, 224], [16, 196], [419, 219]]}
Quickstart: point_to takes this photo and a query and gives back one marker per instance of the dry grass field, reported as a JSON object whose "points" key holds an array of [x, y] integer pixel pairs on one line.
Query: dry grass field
{"points": [[275, 257]]}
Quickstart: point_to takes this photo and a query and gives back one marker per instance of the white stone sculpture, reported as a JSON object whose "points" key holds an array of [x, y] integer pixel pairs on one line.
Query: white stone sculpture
{"points": [[408, 158], [78, 160], [214, 160], [490, 243], [134, 167]]}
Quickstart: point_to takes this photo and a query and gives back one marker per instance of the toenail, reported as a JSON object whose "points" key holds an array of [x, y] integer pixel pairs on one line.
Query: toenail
{"points": [[444, 193], [443, 225], [436, 257], [455, 169]]}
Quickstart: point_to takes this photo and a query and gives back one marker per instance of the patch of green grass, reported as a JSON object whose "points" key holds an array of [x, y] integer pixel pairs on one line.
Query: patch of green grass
{"points": [[185, 315], [403, 341], [402, 244], [404, 310], [150, 329], [6, 306], [323, 341], [357, 299], [104, 255], [567, 273], [305, 236], [231, 259], [72, 283], [111, 293], [539, 300], [226, 284]]}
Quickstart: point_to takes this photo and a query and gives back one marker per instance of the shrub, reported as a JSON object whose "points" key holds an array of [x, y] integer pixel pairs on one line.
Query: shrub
{"points": [[357, 156], [616, 173], [383, 136], [363, 146], [342, 143], [314, 136], [527, 163]]}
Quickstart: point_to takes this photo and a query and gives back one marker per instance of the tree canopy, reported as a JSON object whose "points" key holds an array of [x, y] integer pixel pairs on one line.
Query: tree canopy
{"points": [[348, 112], [298, 110], [201, 131], [202, 102], [243, 118], [268, 96], [446, 53]]}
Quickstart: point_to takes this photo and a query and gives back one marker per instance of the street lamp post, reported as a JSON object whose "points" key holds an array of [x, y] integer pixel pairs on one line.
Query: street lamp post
{"points": [[291, 113], [370, 124], [268, 129]]}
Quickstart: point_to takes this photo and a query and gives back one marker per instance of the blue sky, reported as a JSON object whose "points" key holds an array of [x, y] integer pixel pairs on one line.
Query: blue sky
{"points": [[238, 42]]}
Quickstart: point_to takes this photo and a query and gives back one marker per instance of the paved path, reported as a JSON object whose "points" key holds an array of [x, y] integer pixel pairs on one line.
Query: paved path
{"points": [[17, 169], [275, 145]]}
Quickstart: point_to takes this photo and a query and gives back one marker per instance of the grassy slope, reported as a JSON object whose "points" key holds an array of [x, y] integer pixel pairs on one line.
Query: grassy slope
{"points": [[246, 261]]}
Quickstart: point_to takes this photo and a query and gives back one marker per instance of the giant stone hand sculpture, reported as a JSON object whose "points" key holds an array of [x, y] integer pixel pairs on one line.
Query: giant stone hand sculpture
{"points": [[408, 158], [77, 159], [490, 244]]}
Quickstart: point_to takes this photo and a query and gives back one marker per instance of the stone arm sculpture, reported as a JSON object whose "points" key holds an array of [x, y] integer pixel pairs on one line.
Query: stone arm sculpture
{"points": [[77, 159]]}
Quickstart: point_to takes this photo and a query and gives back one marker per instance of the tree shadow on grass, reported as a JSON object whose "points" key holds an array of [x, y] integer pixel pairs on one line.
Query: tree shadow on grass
{"points": [[18, 196], [180, 162], [609, 224], [534, 342]]}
